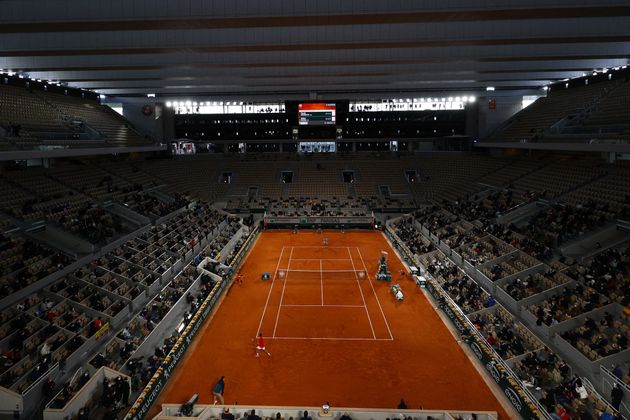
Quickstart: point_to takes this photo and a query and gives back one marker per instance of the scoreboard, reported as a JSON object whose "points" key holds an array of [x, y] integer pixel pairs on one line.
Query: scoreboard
{"points": [[317, 113]]}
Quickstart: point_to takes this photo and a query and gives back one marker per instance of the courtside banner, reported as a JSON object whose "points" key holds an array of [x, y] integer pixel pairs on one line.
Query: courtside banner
{"points": [[316, 221]]}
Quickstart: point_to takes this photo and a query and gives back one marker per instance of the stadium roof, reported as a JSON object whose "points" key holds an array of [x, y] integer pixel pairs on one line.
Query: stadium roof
{"points": [[137, 47]]}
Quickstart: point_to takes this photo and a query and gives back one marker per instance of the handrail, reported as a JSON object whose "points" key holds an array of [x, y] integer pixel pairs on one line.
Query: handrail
{"points": [[607, 372], [592, 391]]}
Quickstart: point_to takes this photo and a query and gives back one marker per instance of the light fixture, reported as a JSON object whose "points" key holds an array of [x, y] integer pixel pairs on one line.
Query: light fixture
{"points": [[169, 104], [150, 95], [490, 89]]}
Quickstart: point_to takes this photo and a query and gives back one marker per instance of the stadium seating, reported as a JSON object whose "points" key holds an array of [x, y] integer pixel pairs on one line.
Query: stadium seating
{"points": [[20, 107], [63, 315], [33, 117], [540, 370], [543, 113]]}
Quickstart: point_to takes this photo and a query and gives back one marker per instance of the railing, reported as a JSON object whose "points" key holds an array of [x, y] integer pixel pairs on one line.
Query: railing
{"points": [[623, 225], [148, 396], [518, 395], [608, 380]]}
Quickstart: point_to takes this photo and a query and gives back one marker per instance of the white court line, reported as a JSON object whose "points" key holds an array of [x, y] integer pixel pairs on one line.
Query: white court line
{"points": [[296, 270], [319, 306], [331, 338], [319, 246], [320, 259], [361, 290], [286, 275], [269, 294], [375, 295], [321, 279]]}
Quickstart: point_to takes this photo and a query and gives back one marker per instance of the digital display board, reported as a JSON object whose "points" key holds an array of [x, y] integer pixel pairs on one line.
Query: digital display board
{"points": [[317, 113]]}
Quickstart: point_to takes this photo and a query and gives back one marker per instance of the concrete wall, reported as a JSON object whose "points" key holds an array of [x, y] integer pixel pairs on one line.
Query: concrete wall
{"points": [[145, 124], [489, 119], [93, 386], [202, 412]]}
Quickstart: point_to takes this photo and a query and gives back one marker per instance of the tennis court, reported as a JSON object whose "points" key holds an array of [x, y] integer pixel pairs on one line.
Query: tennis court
{"points": [[335, 334]]}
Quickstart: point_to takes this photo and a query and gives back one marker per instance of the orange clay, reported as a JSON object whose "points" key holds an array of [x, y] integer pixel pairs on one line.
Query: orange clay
{"points": [[422, 363]]}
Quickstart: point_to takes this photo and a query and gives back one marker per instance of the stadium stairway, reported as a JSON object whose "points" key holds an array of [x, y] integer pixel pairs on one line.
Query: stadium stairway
{"points": [[586, 246], [520, 215], [127, 214], [352, 192], [57, 238]]}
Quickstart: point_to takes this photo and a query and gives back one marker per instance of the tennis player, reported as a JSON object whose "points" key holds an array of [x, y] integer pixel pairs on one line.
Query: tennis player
{"points": [[260, 345]]}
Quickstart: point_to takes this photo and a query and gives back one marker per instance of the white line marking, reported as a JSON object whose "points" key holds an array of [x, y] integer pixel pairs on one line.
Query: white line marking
{"points": [[375, 295], [320, 259], [319, 306], [297, 270], [321, 279], [361, 290], [269, 294], [286, 275], [332, 338], [319, 246]]}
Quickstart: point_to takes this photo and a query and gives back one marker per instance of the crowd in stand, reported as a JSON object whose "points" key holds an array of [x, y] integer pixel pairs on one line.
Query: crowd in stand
{"points": [[466, 293], [113, 396], [500, 334], [604, 276], [25, 261], [561, 223], [598, 339], [569, 303], [146, 204], [608, 273], [406, 231]]}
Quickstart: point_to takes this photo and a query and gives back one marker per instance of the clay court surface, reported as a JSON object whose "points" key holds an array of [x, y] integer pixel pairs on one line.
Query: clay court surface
{"points": [[335, 333]]}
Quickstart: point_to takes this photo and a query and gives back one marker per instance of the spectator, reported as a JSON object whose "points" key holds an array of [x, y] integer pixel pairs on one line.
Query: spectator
{"points": [[616, 395], [305, 416], [226, 415], [402, 405]]}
